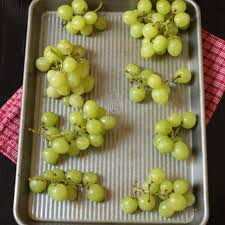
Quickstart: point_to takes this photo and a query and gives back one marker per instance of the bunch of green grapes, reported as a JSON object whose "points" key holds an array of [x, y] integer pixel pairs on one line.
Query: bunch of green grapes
{"points": [[89, 127], [166, 139], [65, 185], [68, 71], [77, 19], [160, 27], [173, 196], [148, 80]]}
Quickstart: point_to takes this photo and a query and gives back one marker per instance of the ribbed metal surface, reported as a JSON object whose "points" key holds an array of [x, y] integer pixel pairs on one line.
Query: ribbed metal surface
{"points": [[128, 154]]}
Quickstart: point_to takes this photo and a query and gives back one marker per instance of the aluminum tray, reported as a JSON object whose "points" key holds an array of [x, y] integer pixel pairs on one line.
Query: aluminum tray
{"points": [[128, 154]]}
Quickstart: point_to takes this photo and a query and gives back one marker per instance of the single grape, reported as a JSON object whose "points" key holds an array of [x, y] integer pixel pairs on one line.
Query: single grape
{"points": [[89, 84], [154, 81], [76, 101], [50, 156], [69, 64], [76, 118], [83, 68], [160, 96], [172, 28], [60, 145], [49, 175], [144, 75], [73, 150], [174, 47], [95, 126], [96, 193], [146, 202], [58, 174], [96, 140], [74, 175], [131, 17], [57, 79], [79, 51], [129, 205], [101, 23], [182, 75], [157, 18], [165, 209], [144, 6], [78, 22], [189, 120], [72, 193], [90, 17], [163, 7], [64, 90], [82, 143], [52, 92], [65, 47], [151, 186], [78, 90], [50, 188], [49, 119], [150, 30], [80, 6], [74, 80], [147, 51], [109, 122], [67, 134], [157, 175], [178, 6], [180, 186], [52, 54], [132, 70], [101, 112], [90, 109], [59, 192], [180, 151], [37, 186], [90, 178], [177, 202], [42, 64], [160, 43], [136, 30], [165, 145], [175, 119], [182, 20], [70, 28], [51, 133], [146, 41], [166, 187], [163, 127], [156, 139], [137, 94], [87, 30], [190, 198], [65, 12]]}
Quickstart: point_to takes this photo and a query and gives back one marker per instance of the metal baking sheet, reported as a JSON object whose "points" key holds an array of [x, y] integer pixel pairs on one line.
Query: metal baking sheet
{"points": [[128, 153]]}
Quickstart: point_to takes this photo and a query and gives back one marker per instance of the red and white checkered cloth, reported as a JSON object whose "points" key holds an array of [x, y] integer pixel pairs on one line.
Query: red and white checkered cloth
{"points": [[214, 76]]}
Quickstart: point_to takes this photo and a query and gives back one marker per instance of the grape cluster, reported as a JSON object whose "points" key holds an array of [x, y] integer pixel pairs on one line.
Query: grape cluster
{"points": [[166, 139], [76, 18], [89, 127], [148, 80], [65, 185], [173, 196], [159, 27]]}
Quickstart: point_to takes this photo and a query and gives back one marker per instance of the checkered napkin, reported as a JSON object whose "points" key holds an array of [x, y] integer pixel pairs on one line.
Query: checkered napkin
{"points": [[214, 77]]}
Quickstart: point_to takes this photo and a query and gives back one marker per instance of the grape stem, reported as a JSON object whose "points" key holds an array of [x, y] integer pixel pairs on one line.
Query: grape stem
{"points": [[63, 23], [175, 78], [99, 7]]}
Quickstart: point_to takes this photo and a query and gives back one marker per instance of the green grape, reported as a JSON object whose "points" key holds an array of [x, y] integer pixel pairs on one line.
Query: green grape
{"points": [[180, 186], [51, 133], [190, 198], [163, 7], [150, 30], [83, 68], [146, 202], [172, 28], [90, 17], [59, 174], [37, 186], [74, 175], [76, 118], [182, 20], [90, 109], [156, 140], [177, 202], [180, 151], [160, 96], [71, 28], [52, 92], [89, 84], [87, 30], [152, 187], [79, 51], [189, 120], [78, 90], [60, 145], [73, 150], [174, 47], [101, 112], [49, 175], [51, 74], [182, 76], [50, 156], [69, 64], [109, 122], [72, 193], [57, 80], [146, 41], [157, 18], [95, 127], [144, 6], [175, 119], [136, 30], [64, 90], [165, 145], [129, 205], [90, 178], [154, 81], [49, 119], [42, 64], [76, 101], [65, 47], [101, 23], [160, 43], [165, 86], [131, 17], [96, 193], [65, 12], [74, 80], [59, 192], [166, 187], [163, 127], [80, 6], [157, 175], [50, 188], [147, 50], [144, 75], [137, 94], [82, 143], [52, 54], [78, 22], [132, 70], [67, 134], [165, 209], [66, 101], [96, 140], [178, 6]]}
